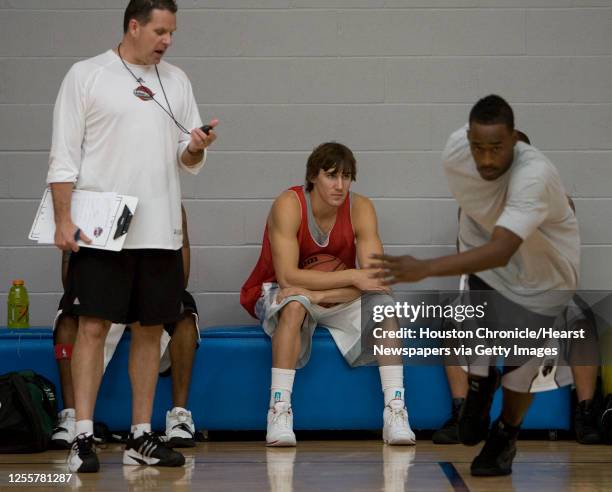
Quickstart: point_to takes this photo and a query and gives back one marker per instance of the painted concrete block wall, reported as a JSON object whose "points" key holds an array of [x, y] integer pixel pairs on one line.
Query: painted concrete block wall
{"points": [[389, 78]]}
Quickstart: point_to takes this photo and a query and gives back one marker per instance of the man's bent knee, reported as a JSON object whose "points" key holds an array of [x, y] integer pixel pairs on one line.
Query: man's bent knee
{"points": [[293, 311]]}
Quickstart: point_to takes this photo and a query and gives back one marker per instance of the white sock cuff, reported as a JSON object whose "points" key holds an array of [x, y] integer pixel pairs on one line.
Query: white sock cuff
{"points": [[282, 379], [84, 427], [139, 429], [391, 377]]}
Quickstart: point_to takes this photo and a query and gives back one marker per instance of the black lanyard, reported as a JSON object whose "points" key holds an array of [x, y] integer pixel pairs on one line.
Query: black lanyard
{"points": [[140, 81]]}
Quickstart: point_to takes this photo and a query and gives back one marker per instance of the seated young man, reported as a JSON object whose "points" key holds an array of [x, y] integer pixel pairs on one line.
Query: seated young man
{"points": [[586, 414], [290, 295], [518, 238], [177, 349]]}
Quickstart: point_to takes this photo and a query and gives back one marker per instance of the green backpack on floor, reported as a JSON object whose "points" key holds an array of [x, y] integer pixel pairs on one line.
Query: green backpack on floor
{"points": [[28, 412]]}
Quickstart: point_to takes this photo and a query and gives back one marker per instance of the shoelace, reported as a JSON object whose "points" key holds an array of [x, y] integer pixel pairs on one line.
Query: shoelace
{"points": [[399, 416], [282, 416], [84, 446]]}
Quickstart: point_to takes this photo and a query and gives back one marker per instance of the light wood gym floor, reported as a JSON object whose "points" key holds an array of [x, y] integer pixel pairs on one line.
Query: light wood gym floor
{"points": [[329, 466]]}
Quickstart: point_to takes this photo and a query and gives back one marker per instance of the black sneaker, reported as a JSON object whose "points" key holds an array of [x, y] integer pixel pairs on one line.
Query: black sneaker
{"points": [[606, 420], [496, 456], [449, 432], [474, 416], [585, 423], [149, 450], [82, 457]]}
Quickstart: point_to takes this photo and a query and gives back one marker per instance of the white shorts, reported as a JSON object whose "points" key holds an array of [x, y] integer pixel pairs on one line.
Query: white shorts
{"points": [[343, 322]]}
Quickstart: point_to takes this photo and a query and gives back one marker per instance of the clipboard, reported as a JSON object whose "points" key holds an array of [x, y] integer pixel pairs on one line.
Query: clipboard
{"points": [[104, 217]]}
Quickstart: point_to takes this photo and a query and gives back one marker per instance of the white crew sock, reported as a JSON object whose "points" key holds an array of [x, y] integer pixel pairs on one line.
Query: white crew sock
{"points": [[139, 429], [282, 385], [392, 380], [84, 427]]}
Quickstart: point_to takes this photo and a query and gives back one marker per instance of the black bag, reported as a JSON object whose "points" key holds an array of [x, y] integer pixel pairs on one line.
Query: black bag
{"points": [[28, 412]]}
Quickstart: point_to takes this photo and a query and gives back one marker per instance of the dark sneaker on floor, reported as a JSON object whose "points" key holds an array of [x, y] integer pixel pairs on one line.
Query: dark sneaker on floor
{"points": [[149, 450], [585, 423], [606, 420], [449, 432], [496, 456], [474, 416], [82, 457]]}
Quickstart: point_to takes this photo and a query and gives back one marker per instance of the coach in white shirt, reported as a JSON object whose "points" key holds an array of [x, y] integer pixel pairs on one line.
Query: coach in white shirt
{"points": [[120, 125]]}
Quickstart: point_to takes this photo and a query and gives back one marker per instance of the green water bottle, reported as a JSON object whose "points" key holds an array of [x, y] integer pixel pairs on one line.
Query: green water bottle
{"points": [[18, 306]]}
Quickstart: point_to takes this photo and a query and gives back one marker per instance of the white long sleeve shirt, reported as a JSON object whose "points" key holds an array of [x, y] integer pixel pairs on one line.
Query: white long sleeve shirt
{"points": [[106, 138]]}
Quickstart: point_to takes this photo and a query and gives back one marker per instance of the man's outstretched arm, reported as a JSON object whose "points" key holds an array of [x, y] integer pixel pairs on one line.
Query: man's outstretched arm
{"points": [[496, 253]]}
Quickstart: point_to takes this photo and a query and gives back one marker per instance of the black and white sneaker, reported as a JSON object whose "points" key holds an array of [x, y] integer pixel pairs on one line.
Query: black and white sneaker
{"points": [[82, 457], [148, 449], [180, 429]]}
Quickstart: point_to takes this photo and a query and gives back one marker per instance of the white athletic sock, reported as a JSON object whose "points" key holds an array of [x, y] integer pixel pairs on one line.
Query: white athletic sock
{"points": [[282, 385], [392, 380], [84, 427], [139, 429]]}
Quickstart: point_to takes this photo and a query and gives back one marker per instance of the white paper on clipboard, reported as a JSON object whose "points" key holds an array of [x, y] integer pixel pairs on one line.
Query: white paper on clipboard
{"points": [[97, 214]]}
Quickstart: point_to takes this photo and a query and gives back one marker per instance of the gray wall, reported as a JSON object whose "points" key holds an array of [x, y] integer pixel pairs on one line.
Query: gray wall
{"points": [[391, 79]]}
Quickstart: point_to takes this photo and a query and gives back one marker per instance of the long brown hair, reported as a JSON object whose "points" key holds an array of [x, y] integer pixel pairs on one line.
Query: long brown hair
{"points": [[330, 155]]}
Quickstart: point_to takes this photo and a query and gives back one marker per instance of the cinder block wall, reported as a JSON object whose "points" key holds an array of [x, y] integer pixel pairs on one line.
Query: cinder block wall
{"points": [[391, 79]]}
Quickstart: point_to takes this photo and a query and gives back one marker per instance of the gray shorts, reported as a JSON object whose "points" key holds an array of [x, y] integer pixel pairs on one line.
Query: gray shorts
{"points": [[342, 320]]}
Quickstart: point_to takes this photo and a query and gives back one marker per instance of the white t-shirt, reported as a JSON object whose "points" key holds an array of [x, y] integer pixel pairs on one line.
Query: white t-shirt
{"points": [[105, 138], [529, 200]]}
